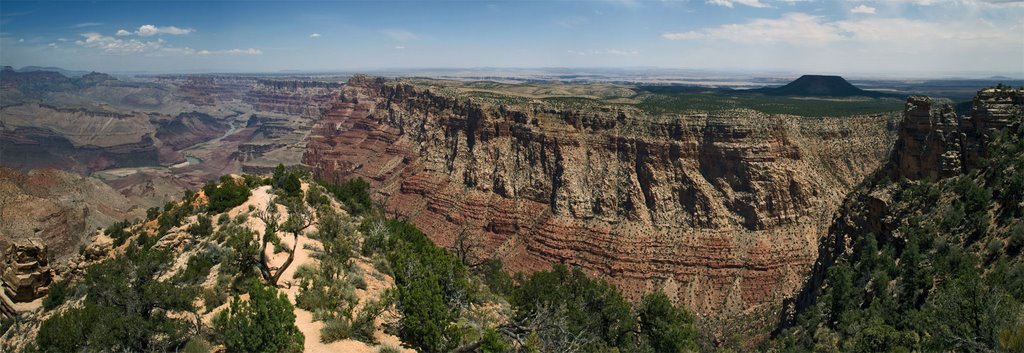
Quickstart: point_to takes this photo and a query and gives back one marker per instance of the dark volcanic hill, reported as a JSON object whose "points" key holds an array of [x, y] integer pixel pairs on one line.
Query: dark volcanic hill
{"points": [[820, 86]]}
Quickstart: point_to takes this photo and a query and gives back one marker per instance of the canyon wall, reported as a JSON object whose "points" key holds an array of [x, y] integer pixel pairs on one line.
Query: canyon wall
{"points": [[934, 142], [58, 207], [721, 211]]}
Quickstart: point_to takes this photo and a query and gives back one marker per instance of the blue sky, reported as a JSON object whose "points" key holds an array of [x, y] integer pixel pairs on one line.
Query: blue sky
{"points": [[933, 37]]}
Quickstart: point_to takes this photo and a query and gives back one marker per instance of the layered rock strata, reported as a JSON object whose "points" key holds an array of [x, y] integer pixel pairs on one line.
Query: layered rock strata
{"points": [[934, 142], [58, 207], [24, 270], [300, 98], [722, 211]]}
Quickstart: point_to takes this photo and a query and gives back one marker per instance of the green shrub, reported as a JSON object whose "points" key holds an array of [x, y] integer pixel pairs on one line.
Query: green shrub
{"points": [[152, 213], [375, 236], [197, 345], [335, 329], [5, 324], [68, 331], [322, 289], [432, 288], [1015, 244], [363, 324], [118, 233], [253, 181], [315, 197], [358, 281], [202, 228], [173, 215], [380, 263], [493, 342], [264, 323], [214, 297], [668, 328], [59, 292], [223, 219], [198, 267], [118, 312], [225, 196], [593, 308], [286, 182], [354, 193], [495, 278], [243, 259], [389, 349]]}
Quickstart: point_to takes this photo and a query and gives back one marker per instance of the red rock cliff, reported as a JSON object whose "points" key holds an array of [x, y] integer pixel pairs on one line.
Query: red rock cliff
{"points": [[722, 211]]}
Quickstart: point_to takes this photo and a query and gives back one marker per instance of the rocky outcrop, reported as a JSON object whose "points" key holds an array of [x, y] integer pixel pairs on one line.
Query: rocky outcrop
{"points": [[722, 211], [57, 207], [24, 270], [991, 111], [930, 141], [934, 142]]}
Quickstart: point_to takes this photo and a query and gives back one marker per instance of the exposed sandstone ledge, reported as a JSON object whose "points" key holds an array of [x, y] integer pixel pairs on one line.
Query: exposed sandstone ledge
{"points": [[723, 211], [24, 269]]}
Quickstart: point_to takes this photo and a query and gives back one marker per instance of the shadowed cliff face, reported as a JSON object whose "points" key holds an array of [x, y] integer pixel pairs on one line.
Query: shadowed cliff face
{"points": [[722, 211]]}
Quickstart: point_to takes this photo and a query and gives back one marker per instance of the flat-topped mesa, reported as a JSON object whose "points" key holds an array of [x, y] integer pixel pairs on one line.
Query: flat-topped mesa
{"points": [[722, 211], [936, 143]]}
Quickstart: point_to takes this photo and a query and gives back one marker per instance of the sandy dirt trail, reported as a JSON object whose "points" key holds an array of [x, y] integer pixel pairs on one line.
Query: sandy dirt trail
{"points": [[304, 319]]}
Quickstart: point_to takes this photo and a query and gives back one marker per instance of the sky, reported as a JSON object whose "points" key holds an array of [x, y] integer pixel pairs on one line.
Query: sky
{"points": [[923, 37]]}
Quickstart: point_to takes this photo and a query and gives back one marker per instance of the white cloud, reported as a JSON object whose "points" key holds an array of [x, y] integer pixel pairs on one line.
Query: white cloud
{"points": [[399, 47], [151, 30], [87, 24], [682, 35], [21, 40], [863, 9], [731, 3], [618, 52], [314, 35], [250, 51], [118, 46], [900, 34], [401, 35], [122, 33], [113, 45], [971, 3], [793, 28]]}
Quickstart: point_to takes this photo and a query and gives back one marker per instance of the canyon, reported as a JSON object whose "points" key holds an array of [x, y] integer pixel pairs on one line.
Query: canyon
{"points": [[723, 210]]}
